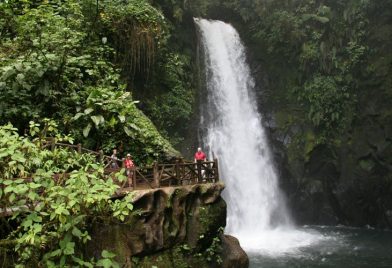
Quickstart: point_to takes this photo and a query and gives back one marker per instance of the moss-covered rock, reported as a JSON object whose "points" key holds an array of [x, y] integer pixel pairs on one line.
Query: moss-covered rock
{"points": [[191, 216]]}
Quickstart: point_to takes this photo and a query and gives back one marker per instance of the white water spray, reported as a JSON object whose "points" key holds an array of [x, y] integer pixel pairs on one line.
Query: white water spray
{"points": [[257, 213]]}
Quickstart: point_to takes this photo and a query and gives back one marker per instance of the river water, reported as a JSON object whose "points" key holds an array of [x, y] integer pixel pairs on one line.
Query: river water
{"points": [[341, 247]]}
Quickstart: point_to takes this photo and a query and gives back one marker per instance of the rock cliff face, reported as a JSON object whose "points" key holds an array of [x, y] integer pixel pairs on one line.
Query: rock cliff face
{"points": [[172, 227]]}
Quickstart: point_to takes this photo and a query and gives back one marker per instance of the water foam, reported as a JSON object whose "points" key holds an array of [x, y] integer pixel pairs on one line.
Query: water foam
{"points": [[279, 242]]}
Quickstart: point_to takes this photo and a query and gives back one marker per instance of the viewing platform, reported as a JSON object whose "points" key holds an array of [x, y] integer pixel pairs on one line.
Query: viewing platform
{"points": [[176, 173]]}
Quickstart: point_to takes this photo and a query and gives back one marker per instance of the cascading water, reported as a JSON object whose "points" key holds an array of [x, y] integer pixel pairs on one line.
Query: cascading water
{"points": [[257, 213]]}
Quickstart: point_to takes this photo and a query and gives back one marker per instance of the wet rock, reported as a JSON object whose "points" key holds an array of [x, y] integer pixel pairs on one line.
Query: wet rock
{"points": [[233, 255]]}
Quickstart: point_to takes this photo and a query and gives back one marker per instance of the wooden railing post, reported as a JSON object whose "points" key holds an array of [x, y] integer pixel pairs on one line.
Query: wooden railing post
{"points": [[52, 144], [182, 170], [177, 169], [216, 175], [199, 174], [156, 174], [79, 148], [101, 156], [134, 178]]}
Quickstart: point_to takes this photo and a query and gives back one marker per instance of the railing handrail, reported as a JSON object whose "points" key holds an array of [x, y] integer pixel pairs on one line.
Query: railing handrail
{"points": [[177, 173]]}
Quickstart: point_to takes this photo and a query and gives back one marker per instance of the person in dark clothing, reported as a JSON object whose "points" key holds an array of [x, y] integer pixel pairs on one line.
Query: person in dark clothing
{"points": [[114, 159]]}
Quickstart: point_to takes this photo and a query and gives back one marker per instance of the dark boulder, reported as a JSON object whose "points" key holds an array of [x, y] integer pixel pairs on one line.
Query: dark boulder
{"points": [[233, 255]]}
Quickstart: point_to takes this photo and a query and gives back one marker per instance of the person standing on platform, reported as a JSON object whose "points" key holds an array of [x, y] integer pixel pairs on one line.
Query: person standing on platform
{"points": [[114, 159], [200, 155], [130, 166]]}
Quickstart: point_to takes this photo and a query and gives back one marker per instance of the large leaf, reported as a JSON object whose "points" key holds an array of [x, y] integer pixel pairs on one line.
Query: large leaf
{"points": [[122, 118], [97, 119], [88, 111], [77, 116], [132, 125], [69, 248], [322, 19], [128, 132], [86, 130], [106, 263], [107, 254]]}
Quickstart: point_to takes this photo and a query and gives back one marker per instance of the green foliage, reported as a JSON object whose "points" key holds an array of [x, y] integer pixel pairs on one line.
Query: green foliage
{"points": [[328, 103], [35, 56], [110, 115], [58, 63], [280, 30], [137, 29], [104, 108], [48, 61], [54, 196], [172, 107], [214, 251]]}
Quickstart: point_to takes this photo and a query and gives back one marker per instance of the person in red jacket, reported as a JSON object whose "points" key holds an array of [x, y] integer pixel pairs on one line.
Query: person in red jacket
{"points": [[129, 165], [199, 155]]}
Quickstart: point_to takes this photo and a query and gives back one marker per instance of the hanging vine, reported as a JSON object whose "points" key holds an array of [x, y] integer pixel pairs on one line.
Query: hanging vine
{"points": [[137, 30]]}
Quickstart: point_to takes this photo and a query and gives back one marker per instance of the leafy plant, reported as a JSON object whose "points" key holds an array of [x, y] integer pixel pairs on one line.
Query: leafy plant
{"points": [[137, 28], [171, 106], [213, 252], [53, 196], [59, 63]]}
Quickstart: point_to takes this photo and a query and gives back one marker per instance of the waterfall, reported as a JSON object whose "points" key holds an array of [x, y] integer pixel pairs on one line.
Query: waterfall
{"points": [[233, 133]]}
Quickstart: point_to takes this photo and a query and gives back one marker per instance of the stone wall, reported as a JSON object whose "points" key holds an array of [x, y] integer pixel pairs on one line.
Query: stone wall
{"points": [[172, 227]]}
